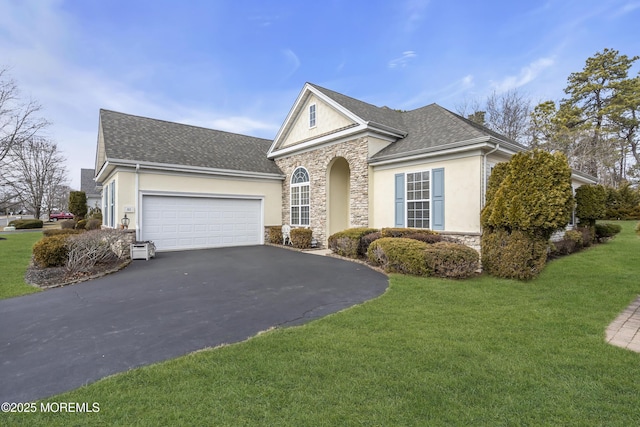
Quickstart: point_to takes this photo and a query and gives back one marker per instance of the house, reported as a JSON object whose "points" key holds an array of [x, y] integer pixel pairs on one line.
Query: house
{"points": [[336, 162], [91, 190]]}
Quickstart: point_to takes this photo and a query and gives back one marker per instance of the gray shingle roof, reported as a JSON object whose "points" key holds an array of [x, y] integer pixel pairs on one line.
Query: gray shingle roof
{"points": [[433, 126], [368, 112], [87, 184], [140, 139], [426, 128]]}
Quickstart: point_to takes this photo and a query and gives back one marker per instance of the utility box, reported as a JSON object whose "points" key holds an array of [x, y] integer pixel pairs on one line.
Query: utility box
{"points": [[143, 250]]}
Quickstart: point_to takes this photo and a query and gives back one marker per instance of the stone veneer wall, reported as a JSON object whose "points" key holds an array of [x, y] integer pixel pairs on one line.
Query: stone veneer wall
{"points": [[470, 239], [355, 152]]}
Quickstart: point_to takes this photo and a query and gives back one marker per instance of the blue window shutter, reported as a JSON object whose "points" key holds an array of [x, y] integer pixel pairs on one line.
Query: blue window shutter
{"points": [[399, 200], [437, 200]]}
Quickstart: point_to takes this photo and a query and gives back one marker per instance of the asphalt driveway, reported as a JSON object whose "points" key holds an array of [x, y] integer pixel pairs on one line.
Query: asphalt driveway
{"points": [[179, 302]]}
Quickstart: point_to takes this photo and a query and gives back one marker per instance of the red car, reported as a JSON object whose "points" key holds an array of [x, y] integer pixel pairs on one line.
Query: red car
{"points": [[54, 216]]}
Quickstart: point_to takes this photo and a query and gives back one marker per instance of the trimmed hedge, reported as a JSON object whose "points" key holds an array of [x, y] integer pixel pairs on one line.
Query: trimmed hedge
{"points": [[349, 243], [591, 203], [51, 251], [81, 225], [513, 255], [399, 255], [68, 224], [25, 224], [301, 238], [274, 234], [60, 232], [606, 230], [451, 260], [404, 232], [424, 237]]}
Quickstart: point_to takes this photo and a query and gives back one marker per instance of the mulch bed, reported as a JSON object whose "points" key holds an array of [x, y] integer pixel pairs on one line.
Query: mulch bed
{"points": [[53, 277]]}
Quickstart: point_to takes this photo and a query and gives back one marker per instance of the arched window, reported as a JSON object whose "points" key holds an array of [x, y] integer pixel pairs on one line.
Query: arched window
{"points": [[300, 197]]}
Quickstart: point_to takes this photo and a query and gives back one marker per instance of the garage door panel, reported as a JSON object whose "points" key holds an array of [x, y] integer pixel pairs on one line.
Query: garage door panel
{"points": [[175, 222]]}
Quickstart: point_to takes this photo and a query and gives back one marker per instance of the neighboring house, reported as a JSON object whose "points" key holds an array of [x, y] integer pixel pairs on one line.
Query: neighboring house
{"points": [[91, 190], [336, 163]]}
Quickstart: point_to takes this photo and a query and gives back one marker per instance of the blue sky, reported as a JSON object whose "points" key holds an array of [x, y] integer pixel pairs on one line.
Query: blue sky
{"points": [[239, 65]]}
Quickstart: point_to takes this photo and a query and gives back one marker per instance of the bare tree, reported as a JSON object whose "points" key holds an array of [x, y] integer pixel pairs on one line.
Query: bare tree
{"points": [[472, 109], [31, 169], [19, 119], [508, 114]]}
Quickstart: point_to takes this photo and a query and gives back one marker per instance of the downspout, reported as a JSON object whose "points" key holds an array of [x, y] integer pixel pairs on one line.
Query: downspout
{"points": [[484, 175], [137, 207]]}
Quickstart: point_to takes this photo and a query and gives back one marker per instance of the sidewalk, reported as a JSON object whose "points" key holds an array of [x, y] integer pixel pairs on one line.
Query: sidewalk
{"points": [[625, 330]]}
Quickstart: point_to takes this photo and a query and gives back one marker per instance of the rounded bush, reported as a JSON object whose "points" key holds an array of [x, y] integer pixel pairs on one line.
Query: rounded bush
{"points": [[274, 234], [513, 255], [348, 243], [424, 237], [399, 255], [25, 224], [51, 251], [607, 230], [68, 224], [404, 232], [58, 232], [591, 203], [301, 238], [452, 260], [81, 225]]}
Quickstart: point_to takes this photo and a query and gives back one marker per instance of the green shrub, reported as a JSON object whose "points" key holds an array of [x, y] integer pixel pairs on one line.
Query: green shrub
{"points": [[25, 224], [513, 255], [78, 204], [95, 213], [531, 193], [366, 241], [452, 260], [424, 237], [571, 242], [590, 203], [301, 238], [399, 255], [68, 224], [81, 225], [51, 251], [274, 234], [606, 230], [403, 232], [348, 243], [93, 224], [60, 232], [588, 235]]}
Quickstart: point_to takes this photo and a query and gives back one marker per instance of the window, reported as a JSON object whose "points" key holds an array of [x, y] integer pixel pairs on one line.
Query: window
{"points": [[418, 200], [312, 115], [105, 206], [300, 197]]}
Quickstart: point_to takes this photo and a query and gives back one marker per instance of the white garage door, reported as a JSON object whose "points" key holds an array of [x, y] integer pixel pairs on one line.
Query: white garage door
{"points": [[175, 223]]}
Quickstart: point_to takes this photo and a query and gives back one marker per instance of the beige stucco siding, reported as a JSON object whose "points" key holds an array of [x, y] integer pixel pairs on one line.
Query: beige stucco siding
{"points": [[327, 120], [462, 189], [268, 189]]}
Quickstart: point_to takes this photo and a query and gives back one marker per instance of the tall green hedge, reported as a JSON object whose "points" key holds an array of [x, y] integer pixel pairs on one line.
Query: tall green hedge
{"points": [[78, 204], [591, 204], [527, 199]]}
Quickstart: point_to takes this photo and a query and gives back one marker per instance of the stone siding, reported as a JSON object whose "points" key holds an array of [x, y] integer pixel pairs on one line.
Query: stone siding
{"points": [[471, 239], [317, 163]]}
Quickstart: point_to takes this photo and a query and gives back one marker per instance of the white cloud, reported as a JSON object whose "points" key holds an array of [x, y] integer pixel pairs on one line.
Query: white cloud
{"points": [[292, 62], [526, 75], [402, 61], [415, 11], [467, 81]]}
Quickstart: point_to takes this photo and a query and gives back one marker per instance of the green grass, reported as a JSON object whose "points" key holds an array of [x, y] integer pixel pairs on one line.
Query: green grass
{"points": [[483, 351], [15, 254]]}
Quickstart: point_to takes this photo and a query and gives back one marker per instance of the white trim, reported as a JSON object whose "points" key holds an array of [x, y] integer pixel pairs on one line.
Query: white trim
{"points": [[425, 160], [299, 205], [407, 201], [167, 167], [315, 115]]}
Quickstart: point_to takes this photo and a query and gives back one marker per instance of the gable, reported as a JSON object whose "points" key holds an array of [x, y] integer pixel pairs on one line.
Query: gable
{"points": [[328, 120]]}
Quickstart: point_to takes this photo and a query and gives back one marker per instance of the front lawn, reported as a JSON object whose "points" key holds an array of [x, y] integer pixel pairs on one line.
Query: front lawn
{"points": [[483, 351], [15, 255]]}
